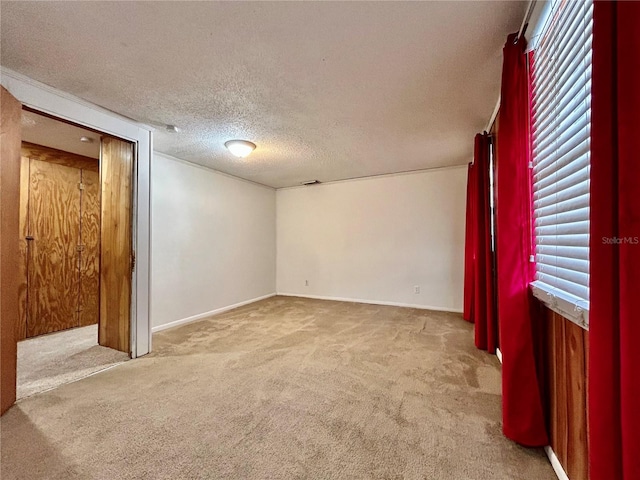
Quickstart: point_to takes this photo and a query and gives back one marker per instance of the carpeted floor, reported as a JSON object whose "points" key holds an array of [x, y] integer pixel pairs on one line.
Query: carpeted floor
{"points": [[48, 361], [285, 388]]}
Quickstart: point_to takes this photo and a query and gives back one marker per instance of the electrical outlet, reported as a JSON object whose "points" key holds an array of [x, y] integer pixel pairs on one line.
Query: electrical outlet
{"points": [[306, 283], [416, 289]]}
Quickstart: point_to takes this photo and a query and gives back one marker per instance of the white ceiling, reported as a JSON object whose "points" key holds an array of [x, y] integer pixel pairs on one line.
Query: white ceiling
{"points": [[327, 90], [52, 133]]}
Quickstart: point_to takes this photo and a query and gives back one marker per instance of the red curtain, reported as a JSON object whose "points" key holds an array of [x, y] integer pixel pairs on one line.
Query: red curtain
{"points": [[522, 404], [614, 330], [486, 327], [469, 247], [479, 304]]}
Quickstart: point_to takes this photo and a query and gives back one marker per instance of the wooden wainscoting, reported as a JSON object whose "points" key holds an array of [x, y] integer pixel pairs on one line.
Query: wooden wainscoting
{"points": [[567, 350]]}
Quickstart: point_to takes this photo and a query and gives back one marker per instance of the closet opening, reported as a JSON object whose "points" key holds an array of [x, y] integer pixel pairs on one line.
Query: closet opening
{"points": [[76, 255]]}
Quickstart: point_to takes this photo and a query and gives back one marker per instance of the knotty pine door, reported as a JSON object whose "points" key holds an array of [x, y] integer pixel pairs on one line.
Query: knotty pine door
{"points": [[62, 242]]}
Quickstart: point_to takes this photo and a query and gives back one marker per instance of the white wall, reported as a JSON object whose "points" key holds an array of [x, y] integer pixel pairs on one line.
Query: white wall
{"points": [[213, 241], [375, 239]]}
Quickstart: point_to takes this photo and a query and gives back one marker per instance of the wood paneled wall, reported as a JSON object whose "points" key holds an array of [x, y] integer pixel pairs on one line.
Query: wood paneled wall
{"points": [[567, 349]]}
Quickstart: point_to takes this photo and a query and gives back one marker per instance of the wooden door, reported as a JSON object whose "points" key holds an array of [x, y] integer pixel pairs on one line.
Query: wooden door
{"points": [[89, 305], [10, 135], [53, 240], [87, 250], [116, 255]]}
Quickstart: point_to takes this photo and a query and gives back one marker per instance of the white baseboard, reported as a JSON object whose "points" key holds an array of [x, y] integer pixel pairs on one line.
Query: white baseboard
{"points": [[372, 302], [200, 316], [499, 354], [555, 463]]}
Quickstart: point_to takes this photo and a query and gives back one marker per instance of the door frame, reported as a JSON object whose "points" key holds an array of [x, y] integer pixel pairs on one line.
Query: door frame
{"points": [[66, 107]]}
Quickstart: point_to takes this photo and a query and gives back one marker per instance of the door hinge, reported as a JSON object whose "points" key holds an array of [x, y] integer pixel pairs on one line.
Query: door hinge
{"points": [[133, 261], [80, 186]]}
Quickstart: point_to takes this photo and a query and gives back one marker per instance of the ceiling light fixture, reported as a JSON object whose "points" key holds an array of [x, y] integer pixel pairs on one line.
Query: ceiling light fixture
{"points": [[240, 148], [173, 129], [86, 139]]}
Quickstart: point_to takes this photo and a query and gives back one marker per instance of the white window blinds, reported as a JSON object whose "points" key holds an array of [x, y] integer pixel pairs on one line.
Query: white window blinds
{"points": [[561, 108]]}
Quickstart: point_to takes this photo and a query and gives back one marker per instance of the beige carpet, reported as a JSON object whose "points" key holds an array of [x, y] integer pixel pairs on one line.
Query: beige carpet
{"points": [[281, 389], [48, 361]]}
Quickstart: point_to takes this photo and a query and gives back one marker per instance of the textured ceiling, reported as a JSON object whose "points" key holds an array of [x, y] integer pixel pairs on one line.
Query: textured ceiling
{"points": [[52, 133], [327, 90]]}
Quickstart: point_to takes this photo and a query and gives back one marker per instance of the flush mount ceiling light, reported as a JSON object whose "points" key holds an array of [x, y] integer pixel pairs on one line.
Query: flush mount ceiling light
{"points": [[240, 148]]}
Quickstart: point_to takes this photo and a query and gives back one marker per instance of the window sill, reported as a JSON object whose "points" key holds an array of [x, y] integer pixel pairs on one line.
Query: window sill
{"points": [[572, 308]]}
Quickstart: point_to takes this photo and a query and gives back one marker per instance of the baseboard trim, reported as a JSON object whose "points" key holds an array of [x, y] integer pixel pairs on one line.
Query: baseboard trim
{"points": [[371, 302], [200, 316], [499, 354], [555, 463]]}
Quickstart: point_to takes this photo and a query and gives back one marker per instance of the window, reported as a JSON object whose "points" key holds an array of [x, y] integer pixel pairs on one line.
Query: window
{"points": [[561, 117]]}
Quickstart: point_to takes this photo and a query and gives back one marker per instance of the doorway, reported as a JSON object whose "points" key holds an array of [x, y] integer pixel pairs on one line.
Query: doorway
{"points": [[74, 295], [17, 92], [60, 226]]}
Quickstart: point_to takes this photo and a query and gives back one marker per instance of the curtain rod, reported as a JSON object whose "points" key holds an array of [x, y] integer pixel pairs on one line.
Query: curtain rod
{"points": [[492, 120], [523, 29], [527, 17]]}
